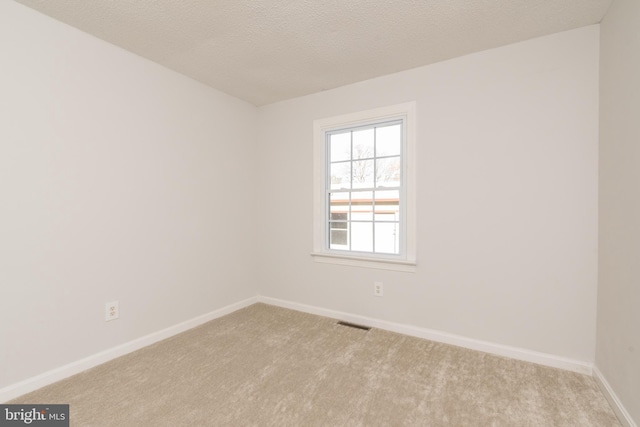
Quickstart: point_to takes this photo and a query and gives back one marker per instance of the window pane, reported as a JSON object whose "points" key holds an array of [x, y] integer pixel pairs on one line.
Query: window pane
{"points": [[387, 238], [338, 205], [340, 175], [387, 205], [362, 206], [340, 146], [363, 174], [362, 236], [363, 144], [339, 225], [338, 231], [388, 140], [338, 239], [388, 172]]}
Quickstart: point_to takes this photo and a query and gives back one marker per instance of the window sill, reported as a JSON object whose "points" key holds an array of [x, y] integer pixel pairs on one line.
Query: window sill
{"points": [[379, 263]]}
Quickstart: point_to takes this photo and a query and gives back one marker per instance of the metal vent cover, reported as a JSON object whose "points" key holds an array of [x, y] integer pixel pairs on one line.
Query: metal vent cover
{"points": [[353, 325]]}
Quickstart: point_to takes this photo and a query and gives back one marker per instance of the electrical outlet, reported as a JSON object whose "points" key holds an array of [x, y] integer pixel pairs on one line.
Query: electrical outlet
{"points": [[378, 289], [111, 311]]}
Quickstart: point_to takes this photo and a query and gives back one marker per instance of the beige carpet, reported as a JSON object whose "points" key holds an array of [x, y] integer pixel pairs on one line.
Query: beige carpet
{"points": [[268, 366]]}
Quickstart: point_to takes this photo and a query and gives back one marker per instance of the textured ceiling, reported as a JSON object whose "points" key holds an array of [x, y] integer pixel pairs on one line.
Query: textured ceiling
{"points": [[264, 51]]}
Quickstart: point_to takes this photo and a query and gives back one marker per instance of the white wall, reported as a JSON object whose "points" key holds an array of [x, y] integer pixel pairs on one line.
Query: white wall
{"points": [[618, 338], [119, 179], [507, 198]]}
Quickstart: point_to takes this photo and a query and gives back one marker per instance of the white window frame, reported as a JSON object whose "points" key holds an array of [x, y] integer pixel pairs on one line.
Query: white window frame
{"points": [[406, 260]]}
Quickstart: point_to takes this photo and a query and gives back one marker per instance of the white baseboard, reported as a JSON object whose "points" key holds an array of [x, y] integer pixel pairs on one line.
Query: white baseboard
{"points": [[443, 337], [49, 377], [615, 403]]}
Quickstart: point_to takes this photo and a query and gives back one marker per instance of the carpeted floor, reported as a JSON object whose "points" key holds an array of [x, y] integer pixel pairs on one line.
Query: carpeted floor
{"points": [[268, 366]]}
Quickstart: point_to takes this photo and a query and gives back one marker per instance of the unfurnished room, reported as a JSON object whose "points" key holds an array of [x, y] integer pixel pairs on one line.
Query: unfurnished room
{"points": [[320, 213]]}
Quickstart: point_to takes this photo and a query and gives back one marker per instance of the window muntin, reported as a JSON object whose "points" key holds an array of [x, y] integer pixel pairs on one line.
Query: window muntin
{"points": [[364, 188]]}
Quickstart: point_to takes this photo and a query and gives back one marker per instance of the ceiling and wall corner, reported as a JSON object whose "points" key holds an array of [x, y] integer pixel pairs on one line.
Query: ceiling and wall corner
{"points": [[267, 51]]}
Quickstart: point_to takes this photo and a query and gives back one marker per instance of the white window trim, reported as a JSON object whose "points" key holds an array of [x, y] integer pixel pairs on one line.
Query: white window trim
{"points": [[320, 126]]}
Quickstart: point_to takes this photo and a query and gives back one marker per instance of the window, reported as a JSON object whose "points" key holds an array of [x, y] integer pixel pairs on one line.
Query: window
{"points": [[364, 211], [363, 187]]}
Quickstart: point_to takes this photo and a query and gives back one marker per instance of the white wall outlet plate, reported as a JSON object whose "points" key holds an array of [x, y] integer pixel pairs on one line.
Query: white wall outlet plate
{"points": [[378, 289], [111, 311]]}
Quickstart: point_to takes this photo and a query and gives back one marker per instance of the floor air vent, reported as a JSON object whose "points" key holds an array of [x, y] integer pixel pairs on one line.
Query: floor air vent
{"points": [[353, 325]]}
